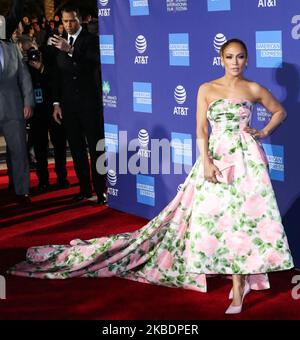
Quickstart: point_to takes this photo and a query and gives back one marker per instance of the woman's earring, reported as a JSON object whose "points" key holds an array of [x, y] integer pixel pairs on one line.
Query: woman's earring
{"points": [[222, 64]]}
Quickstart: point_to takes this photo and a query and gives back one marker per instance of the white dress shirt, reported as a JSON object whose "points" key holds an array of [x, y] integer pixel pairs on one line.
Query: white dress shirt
{"points": [[74, 36], [1, 57]]}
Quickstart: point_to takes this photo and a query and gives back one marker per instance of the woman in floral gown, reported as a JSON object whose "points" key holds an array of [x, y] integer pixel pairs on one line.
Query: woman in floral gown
{"points": [[224, 220]]}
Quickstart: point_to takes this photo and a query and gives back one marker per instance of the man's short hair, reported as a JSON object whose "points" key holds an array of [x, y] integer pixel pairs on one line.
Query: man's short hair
{"points": [[70, 9]]}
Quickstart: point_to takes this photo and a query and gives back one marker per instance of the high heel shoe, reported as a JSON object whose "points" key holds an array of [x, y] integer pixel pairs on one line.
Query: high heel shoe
{"points": [[237, 309], [230, 295]]}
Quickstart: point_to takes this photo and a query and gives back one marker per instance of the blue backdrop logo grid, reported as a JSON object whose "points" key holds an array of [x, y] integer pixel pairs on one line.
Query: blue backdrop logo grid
{"points": [[155, 54]]}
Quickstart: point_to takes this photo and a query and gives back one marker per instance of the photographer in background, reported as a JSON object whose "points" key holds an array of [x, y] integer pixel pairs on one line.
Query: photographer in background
{"points": [[42, 122]]}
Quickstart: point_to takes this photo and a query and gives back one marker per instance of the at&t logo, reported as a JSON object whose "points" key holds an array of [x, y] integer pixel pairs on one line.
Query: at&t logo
{"points": [[267, 3], [103, 12], [219, 40], [112, 181], [141, 47], [180, 186], [180, 98], [143, 138]]}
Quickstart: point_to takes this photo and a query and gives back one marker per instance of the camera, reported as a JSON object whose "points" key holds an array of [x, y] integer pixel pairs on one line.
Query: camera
{"points": [[33, 54]]}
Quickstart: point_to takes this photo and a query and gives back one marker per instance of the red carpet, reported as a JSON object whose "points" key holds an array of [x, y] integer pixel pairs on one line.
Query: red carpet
{"points": [[51, 219]]}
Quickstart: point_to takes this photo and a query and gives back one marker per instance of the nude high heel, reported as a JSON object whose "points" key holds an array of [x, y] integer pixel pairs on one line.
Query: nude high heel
{"points": [[230, 295], [237, 309]]}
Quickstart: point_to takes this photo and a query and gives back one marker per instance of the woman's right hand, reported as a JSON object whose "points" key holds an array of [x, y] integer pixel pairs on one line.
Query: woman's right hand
{"points": [[211, 171]]}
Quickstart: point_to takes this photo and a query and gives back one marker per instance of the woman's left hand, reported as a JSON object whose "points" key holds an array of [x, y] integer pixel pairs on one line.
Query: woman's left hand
{"points": [[258, 134]]}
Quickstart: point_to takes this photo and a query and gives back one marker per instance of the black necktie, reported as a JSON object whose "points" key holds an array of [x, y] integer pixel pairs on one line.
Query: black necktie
{"points": [[71, 41]]}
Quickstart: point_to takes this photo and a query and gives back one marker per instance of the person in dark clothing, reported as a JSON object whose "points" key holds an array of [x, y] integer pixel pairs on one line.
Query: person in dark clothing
{"points": [[86, 19], [42, 121], [77, 101], [12, 19]]}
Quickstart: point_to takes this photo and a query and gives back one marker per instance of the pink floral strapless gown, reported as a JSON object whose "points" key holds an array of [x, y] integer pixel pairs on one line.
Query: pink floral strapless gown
{"points": [[230, 227]]}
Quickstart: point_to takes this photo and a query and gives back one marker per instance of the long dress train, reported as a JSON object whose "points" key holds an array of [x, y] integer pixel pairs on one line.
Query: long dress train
{"points": [[231, 227]]}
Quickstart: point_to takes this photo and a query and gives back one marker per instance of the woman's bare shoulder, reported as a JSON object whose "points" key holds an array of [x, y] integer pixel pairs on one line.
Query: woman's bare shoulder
{"points": [[255, 88], [204, 86], [252, 85], [209, 86]]}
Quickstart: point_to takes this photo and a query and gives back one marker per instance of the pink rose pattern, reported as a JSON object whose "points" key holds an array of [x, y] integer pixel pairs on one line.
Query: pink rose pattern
{"points": [[206, 229]]}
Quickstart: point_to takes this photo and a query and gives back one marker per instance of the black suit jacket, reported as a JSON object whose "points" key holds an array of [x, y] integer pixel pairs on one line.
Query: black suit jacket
{"points": [[77, 84]]}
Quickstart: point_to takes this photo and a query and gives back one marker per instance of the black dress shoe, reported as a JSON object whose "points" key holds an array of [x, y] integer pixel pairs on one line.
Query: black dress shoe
{"points": [[62, 184], [102, 200], [43, 187], [80, 197], [23, 200], [32, 165], [10, 184]]}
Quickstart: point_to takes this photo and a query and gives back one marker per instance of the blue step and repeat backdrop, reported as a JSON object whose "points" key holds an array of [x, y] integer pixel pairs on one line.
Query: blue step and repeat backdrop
{"points": [[154, 56]]}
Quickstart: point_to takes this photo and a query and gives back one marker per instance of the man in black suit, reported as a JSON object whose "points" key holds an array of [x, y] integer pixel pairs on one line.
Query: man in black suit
{"points": [[77, 100]]}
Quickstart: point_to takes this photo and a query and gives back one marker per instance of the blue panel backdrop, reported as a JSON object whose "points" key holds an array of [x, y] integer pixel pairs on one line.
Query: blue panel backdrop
{"points": [[155, 54]]}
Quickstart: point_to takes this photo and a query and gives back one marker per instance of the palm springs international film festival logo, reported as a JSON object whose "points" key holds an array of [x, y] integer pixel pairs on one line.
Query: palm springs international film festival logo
{"points": [[262, 114], [108, 100], [180, 98], [112, 181], [219, 40], [141, 47], [177, 5], [103, 12], [143, 138]]}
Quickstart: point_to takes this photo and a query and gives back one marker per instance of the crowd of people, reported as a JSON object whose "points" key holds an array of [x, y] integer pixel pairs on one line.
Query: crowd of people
{"points": [[63, 103]]}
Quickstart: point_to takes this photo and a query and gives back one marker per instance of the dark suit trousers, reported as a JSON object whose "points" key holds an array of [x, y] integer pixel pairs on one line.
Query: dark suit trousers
{"points": [[85, 129], [40, 124]]}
